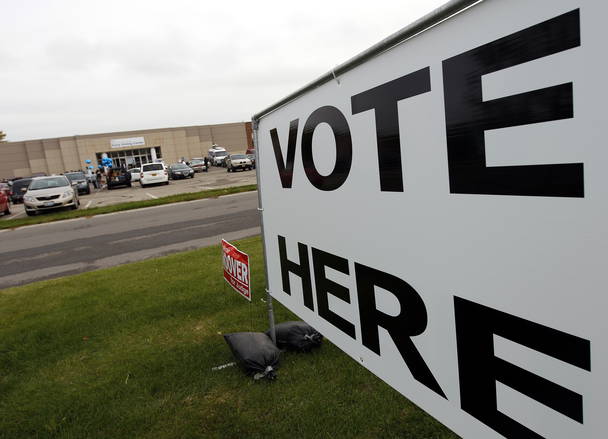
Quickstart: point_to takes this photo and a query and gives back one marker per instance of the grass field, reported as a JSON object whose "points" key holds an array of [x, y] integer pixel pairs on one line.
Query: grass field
{"points": [[130, 205], [128, 351]]}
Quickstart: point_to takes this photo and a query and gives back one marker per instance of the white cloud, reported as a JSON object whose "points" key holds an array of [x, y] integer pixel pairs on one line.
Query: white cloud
{"points": [[74, 67]]}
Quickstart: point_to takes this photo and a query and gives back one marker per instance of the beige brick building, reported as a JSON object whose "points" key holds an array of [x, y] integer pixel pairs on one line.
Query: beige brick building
{"points": [[126, 148]]}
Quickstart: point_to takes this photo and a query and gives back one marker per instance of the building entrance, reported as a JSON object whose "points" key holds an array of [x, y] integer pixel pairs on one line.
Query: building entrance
{"points": [[132, 158]]}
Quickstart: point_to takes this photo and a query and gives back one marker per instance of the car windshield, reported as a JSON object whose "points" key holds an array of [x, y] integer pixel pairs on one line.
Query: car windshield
{"points": [[197, 162], [134, 170], [179, 166], [73, 176], [237, 156], [47, 183], [152, 167], [221, 154]]}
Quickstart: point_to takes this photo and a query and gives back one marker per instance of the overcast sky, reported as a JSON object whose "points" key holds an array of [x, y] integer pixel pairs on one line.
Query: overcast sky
{"points": [[71, 67]]}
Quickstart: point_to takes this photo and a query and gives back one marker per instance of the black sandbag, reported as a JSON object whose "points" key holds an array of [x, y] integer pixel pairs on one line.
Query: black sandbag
{"points": [[255, 353], [297, 336]]}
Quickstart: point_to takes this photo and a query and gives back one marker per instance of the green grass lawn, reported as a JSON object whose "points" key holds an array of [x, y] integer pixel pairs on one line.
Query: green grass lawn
{"points": [[127, 352], [129, 205]]}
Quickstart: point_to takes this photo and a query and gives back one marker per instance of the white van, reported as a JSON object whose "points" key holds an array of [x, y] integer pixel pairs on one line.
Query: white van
{"points": [[153, 173], [217, 155]]}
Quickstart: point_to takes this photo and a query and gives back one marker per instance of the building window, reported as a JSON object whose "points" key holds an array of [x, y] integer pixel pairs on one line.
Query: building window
{"points": [[130, 158]]}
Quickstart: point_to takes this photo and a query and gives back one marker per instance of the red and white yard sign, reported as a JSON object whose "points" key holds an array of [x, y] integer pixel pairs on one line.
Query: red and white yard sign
{"points": [[236, 269]]}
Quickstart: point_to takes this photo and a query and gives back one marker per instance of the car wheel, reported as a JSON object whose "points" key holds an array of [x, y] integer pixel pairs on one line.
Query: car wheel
{"points": [[8, 210], [142, 185], [89, 191], [30, 213], [129, 184], [166, 182]]}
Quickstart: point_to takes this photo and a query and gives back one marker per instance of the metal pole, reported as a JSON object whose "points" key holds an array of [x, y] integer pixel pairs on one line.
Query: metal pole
{"points": [[273, 335], [440, 14]]}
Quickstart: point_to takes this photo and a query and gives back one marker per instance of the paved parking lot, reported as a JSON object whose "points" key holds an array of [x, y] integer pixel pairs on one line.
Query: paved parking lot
{"points": [[214, 179]]}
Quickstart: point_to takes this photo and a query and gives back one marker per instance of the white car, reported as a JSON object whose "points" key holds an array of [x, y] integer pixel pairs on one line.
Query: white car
{"points": [[152, 173], [238, 161], [217, 155], [135, 174], [49, 193]]}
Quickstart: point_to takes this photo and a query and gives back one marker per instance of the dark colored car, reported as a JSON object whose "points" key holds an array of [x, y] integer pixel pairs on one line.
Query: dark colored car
{"points": [[179, 170], [79, 180], [252, 158], [19, 189], [118, 177]]}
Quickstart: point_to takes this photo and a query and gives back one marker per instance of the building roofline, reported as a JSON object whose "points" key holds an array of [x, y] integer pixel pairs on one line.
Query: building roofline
{"points": [[129, 132]]}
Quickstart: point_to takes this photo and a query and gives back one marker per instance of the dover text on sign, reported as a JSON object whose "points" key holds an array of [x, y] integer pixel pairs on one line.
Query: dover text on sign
{"points": [[236, 269]]}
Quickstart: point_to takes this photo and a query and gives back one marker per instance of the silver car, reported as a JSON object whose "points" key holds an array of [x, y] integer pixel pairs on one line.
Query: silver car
{"points": [[48, 193], [81, 180], [238, 161]]}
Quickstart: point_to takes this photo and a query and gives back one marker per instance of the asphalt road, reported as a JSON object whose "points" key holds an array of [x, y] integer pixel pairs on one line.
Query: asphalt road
{"points": [[58, 249]]}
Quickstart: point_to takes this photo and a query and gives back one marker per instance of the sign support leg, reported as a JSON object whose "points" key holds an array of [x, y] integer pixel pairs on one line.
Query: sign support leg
{"points": [[273, 334]]}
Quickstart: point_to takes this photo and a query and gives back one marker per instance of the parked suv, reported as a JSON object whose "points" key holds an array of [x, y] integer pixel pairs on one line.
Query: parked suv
{"points": [[217, 156], [153, 173], [118, 177], [237, 161], [48, 193], [81, 181]]}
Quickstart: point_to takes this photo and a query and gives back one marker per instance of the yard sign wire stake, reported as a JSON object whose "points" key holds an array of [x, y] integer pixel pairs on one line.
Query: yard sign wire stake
{"points": [[250, 315], [225, 296], [250, 300]]}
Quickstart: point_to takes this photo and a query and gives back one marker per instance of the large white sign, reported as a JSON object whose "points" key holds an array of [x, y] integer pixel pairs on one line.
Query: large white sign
{"points": [[440, 214], [131, 141]]}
